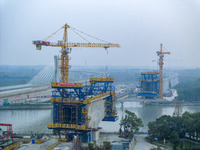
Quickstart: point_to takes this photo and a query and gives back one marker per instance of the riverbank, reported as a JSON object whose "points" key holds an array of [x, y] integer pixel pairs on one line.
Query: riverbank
{"points": [[27, 106], [36, 106], [187, 144], [155, 102], [171, 103]]}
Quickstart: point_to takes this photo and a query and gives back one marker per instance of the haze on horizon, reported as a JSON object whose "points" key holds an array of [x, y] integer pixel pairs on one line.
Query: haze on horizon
{"points": [[139, 26]]}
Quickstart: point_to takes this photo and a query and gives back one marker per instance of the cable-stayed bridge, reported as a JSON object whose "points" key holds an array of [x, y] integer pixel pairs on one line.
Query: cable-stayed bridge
{"points": [[42, 81]]}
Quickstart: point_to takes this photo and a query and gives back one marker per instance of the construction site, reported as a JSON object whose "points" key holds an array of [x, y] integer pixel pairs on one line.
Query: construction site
{"points": [[99, 75], [151, 83], [74, 103], [77, 107]]}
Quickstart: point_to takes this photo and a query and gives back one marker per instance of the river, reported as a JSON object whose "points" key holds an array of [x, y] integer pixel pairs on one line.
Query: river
{"points": [[35, 121]]}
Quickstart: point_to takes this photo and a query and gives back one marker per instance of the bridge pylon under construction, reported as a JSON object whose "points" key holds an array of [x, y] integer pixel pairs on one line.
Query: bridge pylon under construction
{"points": [[71, 104], [149, 85]]}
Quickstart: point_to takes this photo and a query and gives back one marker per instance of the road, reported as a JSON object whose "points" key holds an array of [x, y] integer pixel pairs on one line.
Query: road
{"points": [[142, 144]]}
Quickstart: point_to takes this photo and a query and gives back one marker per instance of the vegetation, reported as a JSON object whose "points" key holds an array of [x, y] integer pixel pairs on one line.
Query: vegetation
{"points": [[174, 129], [189, 90], [93, 146], [174, 138], [106, 146], [188, 74], [130, 124], [192, 94], [189, 87], [188, 84]]}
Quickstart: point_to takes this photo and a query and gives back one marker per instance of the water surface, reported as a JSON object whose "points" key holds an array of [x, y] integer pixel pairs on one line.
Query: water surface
{"points": [[35, 121]]}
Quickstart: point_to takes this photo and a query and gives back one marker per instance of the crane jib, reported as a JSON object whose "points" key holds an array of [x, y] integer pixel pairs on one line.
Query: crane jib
{"points": [[59, 44]]}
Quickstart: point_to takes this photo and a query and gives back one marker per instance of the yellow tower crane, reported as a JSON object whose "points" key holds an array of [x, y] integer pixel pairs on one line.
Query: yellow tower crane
{"points": [[161, 55], [66, 47]]}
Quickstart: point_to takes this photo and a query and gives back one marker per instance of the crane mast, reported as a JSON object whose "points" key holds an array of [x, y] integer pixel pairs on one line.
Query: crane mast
{"points": [[64, 65], [161, 56]]}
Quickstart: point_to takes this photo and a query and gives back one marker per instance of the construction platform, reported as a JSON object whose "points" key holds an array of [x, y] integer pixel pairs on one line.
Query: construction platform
{"points": [[149, 85], [78, 109]]}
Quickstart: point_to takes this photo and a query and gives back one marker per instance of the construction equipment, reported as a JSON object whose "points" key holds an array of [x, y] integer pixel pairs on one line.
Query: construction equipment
{"points": [[66, 48], [149, 85], [178, 108], [71, 101], [161, 55], [9, 132]]}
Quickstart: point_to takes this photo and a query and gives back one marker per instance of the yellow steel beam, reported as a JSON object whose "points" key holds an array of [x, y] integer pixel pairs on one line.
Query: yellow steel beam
{"points": [[101, 79], [51, 147], [149, 80], [67, 126], [161, 70], [149, 72], [12, 146], [147, 92], [67, 85], [166, 53], [64, 100], [89, 100], [86, 101], [96, 45], [64, 67]]}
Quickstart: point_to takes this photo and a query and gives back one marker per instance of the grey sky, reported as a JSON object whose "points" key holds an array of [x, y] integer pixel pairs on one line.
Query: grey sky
{"points": [[139, 26]]}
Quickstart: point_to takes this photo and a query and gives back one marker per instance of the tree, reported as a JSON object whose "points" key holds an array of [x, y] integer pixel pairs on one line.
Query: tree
{"points": [[191, 124], [174, 138], [171, 128], [93, 146], [107, 145], [130, 123], [161, 127]]}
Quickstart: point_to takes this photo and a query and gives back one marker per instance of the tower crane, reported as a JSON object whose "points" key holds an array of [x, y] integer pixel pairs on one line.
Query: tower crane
{"points": [[66, 48], [161, 55]]}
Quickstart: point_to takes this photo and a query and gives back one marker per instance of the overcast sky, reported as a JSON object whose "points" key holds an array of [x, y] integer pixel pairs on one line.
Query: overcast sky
{"points": [[139, 26]]}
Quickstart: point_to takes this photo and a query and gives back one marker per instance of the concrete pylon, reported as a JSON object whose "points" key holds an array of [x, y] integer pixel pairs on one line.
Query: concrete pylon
{"points": [[56, 68]]}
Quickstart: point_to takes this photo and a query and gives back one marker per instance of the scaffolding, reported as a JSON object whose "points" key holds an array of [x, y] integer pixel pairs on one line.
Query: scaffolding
{"points": [[71, 102], [149, 85]]}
